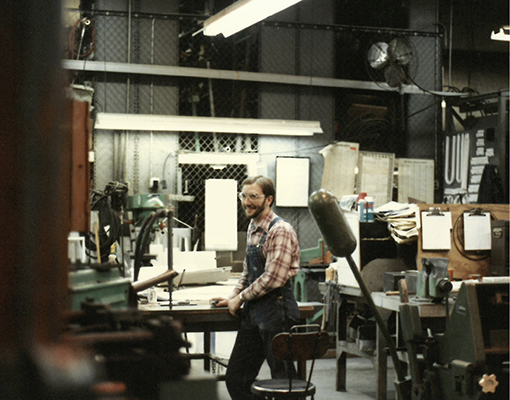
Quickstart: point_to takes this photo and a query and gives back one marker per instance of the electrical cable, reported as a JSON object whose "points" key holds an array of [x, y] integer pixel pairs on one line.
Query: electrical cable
{"points": [[87, 24], [452, 88], [183, 223], [110, 225], [435, 93], [163, 183], [372, 133], [143, 238], [138, 244], [424, 109], [107, 218]]}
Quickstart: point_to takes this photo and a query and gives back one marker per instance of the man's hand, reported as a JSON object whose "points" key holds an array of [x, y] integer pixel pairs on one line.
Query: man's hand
{"points": [[234, 304], [219, 302]]}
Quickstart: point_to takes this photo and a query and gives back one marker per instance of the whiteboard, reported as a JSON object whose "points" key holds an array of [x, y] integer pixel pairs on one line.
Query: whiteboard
{"points": [[220, 230], [292, 176]]}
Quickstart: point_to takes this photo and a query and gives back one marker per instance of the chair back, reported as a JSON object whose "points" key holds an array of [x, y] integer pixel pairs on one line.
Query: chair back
{"points": [[302, 343]]}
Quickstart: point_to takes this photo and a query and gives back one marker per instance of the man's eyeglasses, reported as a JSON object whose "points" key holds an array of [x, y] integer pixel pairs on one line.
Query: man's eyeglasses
{"points": [[252, 196]]}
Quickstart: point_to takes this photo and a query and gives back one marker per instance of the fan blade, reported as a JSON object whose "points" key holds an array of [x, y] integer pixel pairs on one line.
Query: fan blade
{"points": [[394, 75], [400, 52], [378, 55]]}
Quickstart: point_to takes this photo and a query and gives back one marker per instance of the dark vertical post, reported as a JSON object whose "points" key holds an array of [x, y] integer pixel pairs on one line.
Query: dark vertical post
{"points": [[34, 163], [343, 310], [34, 146], [170, 219]]}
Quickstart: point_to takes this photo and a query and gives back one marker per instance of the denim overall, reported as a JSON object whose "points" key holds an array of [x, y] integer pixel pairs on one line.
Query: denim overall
{"points": [[261, 320], [274, 310]]}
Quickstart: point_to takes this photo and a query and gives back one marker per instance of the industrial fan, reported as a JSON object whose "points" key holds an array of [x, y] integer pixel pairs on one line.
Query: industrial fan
{"points": [[393, 61]]}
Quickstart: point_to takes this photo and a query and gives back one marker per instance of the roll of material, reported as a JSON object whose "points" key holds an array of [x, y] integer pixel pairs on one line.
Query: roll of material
{"points": [[332, 223]]}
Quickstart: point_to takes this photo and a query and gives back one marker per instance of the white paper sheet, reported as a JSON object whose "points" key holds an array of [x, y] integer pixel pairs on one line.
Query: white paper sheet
{"points": [[415, 180], [477, 232], [375, 176], [220, 214], [436, 230], [344, 272], [340, 162], [292, 181]]}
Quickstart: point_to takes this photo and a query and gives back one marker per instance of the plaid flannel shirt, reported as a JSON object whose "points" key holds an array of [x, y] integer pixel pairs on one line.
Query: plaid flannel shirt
{"points": [[281, 250]]}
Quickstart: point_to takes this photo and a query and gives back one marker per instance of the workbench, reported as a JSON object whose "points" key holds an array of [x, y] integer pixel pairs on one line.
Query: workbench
{"points": [[200, 316], [340, 301], [344, 296]]}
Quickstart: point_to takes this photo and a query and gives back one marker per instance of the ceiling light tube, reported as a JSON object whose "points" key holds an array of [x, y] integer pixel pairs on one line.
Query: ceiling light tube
{"points": [[503, 34], [180, 123], [243, 14]]}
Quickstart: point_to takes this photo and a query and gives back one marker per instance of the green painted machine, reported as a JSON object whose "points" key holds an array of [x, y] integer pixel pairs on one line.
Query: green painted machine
{"points": [[315, 256], [99, 286], [141, 205], [433, 281], [469, 360]]}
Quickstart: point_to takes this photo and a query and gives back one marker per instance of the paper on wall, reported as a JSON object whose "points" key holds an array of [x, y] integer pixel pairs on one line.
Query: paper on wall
{"points": [[436, 230], [340, 162]]}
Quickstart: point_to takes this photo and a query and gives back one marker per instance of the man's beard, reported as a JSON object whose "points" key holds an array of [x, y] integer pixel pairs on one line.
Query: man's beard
{"points": [[257, 210]]}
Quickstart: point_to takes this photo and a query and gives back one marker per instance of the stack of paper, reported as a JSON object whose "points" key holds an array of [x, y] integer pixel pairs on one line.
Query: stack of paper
{"points": [[401, 219]]}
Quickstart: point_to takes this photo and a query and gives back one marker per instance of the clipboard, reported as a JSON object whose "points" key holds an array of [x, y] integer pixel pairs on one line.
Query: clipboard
{"points": [[436, 227], [477, 231]]}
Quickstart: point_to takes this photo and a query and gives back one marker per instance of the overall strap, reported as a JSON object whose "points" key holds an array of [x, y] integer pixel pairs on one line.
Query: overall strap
{"points": [[274, 221], [281, 296], [271, 224]]}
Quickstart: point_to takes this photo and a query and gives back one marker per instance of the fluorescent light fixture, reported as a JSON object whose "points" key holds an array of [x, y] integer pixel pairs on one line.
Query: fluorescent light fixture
{"points": [[181, 123], [242, 14], [503, 34]]}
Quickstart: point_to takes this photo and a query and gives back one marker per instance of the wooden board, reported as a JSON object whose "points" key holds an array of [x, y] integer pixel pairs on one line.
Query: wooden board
{"points": [[459, 264]]}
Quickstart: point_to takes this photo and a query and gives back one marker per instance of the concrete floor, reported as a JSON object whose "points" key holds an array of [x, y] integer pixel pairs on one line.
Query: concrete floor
{"points": [[361, 380]]}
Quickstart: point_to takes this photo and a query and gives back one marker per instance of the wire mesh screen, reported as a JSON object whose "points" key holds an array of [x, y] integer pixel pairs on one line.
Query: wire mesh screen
{"points": [[218, 142], [193, 180], [153, 34]]}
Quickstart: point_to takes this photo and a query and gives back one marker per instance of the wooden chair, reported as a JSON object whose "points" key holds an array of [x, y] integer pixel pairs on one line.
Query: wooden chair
{"points": [[302, 343]]}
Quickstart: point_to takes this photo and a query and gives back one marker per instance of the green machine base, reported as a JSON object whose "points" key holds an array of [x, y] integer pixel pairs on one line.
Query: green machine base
{"points": [[104, 287]]}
